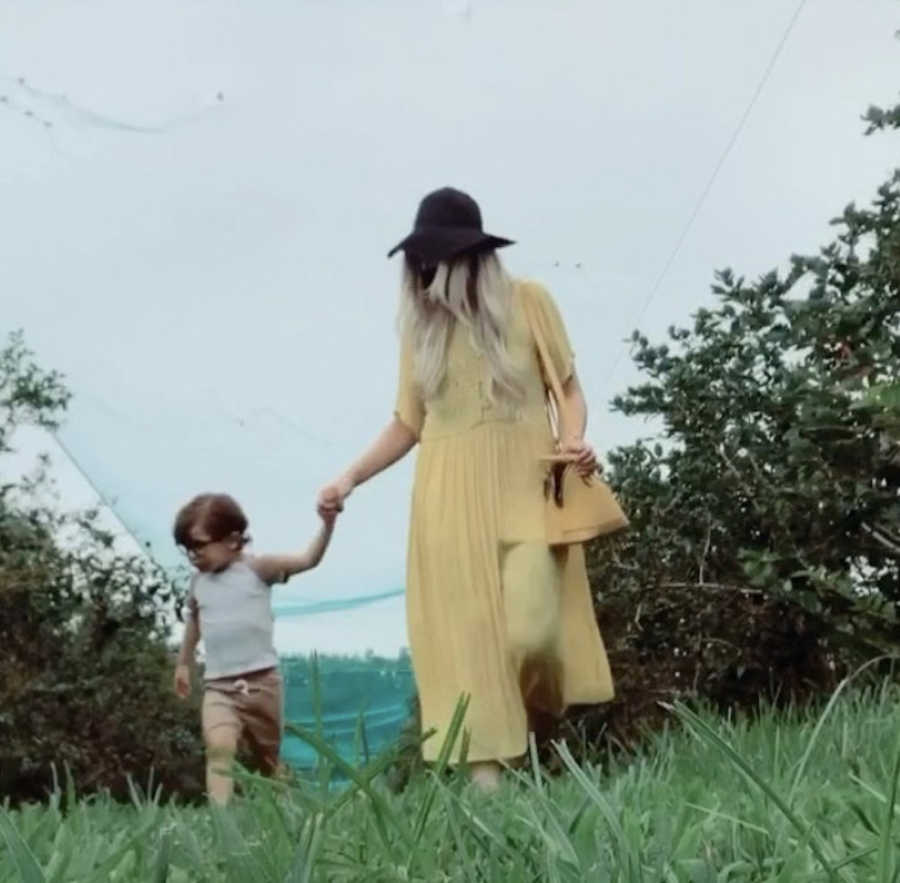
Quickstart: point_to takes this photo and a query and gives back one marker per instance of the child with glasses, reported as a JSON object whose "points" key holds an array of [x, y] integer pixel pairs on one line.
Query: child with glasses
{"points": [[229, 604]]}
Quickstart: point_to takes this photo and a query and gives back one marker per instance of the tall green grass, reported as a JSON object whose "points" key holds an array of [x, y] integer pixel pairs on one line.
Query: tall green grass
{"points": [[786, 797]]}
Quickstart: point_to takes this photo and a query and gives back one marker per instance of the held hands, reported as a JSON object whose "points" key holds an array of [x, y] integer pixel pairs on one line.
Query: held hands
{"points": [[182, 681], [331, 498]]}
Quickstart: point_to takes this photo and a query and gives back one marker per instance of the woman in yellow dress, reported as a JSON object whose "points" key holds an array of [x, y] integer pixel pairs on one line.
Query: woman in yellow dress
{"points": [[494, 613]]}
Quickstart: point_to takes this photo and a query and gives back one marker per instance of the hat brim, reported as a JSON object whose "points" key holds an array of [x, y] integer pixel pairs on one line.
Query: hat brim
{"points": [[436, 244]]}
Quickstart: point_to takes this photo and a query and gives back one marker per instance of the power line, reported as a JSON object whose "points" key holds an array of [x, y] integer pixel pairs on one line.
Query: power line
{"points": [[654, 290], [101, 496]]}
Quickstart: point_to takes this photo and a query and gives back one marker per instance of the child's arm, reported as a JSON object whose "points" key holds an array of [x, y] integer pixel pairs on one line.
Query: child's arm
{"points": [[187, 651], [279, 568]]}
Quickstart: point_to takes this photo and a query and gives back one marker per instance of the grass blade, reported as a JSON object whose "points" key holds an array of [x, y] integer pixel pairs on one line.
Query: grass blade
{"points": [[382, 812], [161, 865], [705, 732], [443, 758], [887, 871], [631, 861], [23, 858], [304, 861], [801, 767]]}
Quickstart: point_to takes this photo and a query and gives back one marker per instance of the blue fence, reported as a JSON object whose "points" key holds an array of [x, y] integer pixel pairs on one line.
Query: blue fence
{"points": [[377, 689]]}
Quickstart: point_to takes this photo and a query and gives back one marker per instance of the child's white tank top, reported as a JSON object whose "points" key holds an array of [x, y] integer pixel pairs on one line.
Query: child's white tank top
{"points": [[234, 608]]}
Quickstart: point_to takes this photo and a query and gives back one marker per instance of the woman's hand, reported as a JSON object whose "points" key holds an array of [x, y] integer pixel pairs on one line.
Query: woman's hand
{"points": [[395, 441], [331, 497], [182, 681], [585, 458]]}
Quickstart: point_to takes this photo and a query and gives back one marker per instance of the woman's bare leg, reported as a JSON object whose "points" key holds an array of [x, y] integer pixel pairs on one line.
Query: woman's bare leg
{"points": [[486, 775]]}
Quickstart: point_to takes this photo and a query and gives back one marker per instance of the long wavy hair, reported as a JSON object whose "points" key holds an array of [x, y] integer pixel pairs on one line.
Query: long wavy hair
{"points": [[475, 293]]}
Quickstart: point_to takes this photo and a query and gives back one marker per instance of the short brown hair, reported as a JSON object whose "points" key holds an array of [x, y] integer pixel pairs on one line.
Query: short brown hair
{"points": [[218, 514]]}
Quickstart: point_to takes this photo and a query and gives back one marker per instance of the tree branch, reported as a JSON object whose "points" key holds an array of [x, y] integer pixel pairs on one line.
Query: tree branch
{"points": [[879, 537], [717, 587]]}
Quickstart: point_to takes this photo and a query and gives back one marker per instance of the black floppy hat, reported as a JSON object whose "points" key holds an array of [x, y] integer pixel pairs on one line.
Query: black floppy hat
{"points": [[447, 225]]}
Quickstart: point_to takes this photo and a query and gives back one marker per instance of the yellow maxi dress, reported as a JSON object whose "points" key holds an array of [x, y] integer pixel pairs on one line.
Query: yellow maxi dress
{"points": [[493, 612]]}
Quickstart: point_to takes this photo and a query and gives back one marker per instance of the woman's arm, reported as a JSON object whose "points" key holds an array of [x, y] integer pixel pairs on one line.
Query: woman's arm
{"points": [[572, 433], [395, 441], [575, 407]]}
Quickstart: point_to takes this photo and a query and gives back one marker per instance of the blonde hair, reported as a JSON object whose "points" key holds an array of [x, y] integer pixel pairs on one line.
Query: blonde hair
{"points": [[475, 293]]}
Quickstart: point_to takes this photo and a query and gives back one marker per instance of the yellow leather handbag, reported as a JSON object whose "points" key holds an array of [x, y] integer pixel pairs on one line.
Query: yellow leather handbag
{"points": [[577, 508]]}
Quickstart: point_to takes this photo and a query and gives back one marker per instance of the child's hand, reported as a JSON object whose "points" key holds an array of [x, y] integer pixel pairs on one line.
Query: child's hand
{"points": [[182, 681], [331, 497], [328, 516]]}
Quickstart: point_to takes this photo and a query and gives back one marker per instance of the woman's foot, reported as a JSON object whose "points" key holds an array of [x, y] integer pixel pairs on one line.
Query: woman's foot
{"points": [[486, 775]]}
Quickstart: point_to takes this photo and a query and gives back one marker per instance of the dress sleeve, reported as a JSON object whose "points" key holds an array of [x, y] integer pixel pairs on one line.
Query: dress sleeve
{"points": [[546, 315], [410, 409]]}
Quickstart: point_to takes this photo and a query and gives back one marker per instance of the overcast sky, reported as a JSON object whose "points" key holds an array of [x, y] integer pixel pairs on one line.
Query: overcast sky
{"points": [[197, 199]]}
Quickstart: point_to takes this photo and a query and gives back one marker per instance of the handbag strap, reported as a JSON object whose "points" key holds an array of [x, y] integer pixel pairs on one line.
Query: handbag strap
{"points": [[547, 362]]}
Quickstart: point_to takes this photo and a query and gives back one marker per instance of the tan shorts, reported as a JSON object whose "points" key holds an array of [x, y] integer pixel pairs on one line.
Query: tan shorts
{"points": [[248, 707]]}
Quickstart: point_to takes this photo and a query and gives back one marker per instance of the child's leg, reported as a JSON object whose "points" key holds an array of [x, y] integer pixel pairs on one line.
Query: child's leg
{"points": [[221, 730], [262, 717]]}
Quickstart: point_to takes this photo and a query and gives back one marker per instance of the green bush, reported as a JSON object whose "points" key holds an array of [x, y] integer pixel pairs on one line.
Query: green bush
{"points": [[764, 554], [86, 680]]}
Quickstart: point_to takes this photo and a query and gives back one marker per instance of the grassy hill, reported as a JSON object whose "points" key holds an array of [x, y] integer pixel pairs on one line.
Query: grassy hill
{"points": [[796, 797]]}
